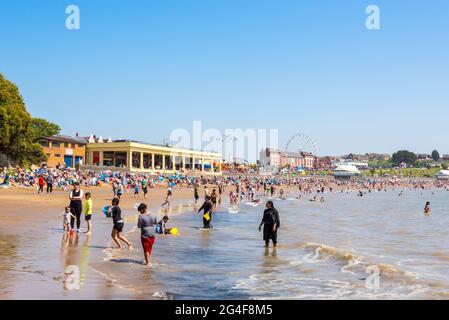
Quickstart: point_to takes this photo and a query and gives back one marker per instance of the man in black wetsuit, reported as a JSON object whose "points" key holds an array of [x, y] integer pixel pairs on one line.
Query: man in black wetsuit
{"points": [[271, 223], [207, 216]]}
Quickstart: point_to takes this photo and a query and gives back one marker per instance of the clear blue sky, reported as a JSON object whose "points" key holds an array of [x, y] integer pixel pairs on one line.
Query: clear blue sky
{"points": [[138, 69]]}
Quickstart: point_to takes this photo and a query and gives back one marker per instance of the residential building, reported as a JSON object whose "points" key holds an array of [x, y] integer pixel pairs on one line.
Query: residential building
{"points": [[64, 150]]}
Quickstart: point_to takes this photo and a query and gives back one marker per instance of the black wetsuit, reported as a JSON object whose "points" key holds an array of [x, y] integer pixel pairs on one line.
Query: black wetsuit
{"points": [[270, 218], [207, 207]]}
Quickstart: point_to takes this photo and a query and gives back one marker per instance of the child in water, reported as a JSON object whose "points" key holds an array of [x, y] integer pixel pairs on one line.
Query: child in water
{"points": [[66, 221], [161, 227], [427, 209], [118, 224], [146, 224], [88, 212]]}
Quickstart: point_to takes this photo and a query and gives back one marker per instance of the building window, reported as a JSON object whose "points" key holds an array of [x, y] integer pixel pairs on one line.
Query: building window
{"points": [[178, 162], [158, 161], [121, 159], [168, 163], [198, 164], [57, 155], [96, 158], [189, 163], [108, 158], [55, 144], [147, 161], [136, 159], [44, 143]]}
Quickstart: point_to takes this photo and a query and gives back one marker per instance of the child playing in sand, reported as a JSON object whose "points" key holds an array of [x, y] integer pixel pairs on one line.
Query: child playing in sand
{"points": [[146, 223], [88, 212], [118, 224], [66, 221]]}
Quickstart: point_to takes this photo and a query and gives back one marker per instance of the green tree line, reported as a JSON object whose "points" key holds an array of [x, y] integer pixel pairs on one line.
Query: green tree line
{"points": [[19, 131]]}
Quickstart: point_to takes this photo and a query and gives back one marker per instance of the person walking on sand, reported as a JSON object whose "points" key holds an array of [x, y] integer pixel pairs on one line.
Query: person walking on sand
{"points": [[146, 223], [118, 224], [76, 206], [41, 183], [271, 224]]}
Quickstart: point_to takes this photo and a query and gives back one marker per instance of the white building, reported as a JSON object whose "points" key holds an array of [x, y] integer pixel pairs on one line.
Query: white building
{"points": [[346, 171], [442, 175]]}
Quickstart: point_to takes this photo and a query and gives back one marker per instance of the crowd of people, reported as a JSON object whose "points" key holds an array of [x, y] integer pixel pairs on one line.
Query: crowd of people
{"points": [[238, 188]]}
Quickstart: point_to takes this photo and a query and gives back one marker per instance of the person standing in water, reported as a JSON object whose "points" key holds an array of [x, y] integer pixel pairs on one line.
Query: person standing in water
{"points": [[427, 209], [76, 206], [196, 193], [146, 223], [118, 222], [88, 212], [207, 216], [271, 224]]}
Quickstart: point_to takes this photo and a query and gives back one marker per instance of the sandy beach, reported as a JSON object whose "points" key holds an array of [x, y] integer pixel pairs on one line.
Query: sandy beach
{"points": [[33, 253]]}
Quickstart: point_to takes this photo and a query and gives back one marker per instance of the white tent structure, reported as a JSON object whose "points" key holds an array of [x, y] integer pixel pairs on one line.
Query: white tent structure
{"points": [[442, 175], [346, 171]]}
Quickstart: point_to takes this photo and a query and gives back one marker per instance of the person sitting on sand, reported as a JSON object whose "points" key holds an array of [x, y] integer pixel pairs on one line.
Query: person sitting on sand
{"points": [[118, 224], [146, 223]]}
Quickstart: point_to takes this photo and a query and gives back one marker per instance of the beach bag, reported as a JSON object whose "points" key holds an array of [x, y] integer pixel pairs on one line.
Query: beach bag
{"points": [[207, 216]]}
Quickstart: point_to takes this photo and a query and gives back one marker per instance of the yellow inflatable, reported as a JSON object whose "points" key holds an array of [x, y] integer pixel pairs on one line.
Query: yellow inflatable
{"points": [[174, 231]]}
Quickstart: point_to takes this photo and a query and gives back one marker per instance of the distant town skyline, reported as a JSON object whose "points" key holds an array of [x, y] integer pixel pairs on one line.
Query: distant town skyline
{"points": [[140, 70]]}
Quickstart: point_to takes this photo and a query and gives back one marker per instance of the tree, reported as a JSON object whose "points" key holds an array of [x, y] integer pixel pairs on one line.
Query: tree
{"points": [[404, 156], [18, 138], [43, 128], [435, 155]]}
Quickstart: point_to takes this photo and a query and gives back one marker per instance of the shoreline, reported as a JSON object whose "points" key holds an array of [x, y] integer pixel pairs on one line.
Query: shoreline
{"points": [[24, 212]]}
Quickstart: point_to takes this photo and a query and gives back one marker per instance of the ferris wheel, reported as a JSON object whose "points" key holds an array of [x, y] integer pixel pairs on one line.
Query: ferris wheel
{"points": [[301, 142]]}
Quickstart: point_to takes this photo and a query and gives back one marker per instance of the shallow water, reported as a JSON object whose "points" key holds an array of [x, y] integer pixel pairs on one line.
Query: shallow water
{"points": [[323, 253]]}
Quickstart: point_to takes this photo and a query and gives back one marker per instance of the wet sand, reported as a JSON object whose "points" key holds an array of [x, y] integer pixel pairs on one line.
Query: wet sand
{"points": [[34, 252]]}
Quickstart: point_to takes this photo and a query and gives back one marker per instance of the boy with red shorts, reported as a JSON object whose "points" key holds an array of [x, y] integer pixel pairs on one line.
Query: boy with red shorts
{"points": [[146, 223]]}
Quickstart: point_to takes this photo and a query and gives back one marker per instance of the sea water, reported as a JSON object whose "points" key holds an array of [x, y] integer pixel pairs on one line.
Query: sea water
{"points": [[379, 246]]}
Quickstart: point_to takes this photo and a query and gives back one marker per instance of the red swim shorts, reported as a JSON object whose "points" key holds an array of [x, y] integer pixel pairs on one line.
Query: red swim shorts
{"points": [[147, 244]]}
